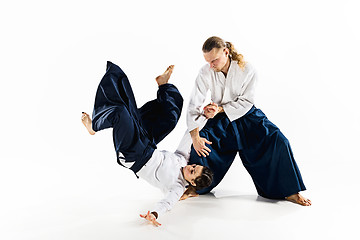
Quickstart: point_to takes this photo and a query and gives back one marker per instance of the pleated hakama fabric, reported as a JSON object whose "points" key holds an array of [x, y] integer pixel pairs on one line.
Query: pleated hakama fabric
{"points": [[264, 150], [135, 131]]}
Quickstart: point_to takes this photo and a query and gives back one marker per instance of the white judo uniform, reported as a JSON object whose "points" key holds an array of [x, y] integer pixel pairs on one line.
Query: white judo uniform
{"points": [[235, 93], [164, 171]]}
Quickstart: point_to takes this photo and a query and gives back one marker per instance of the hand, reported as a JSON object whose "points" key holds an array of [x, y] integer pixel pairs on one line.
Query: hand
{"points": [[189, 192], [211, 110], [150, 217], [200, 147]]}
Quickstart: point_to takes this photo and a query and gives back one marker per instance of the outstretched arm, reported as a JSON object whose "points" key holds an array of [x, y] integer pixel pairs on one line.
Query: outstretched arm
{"points": [[151, 217], [172, 197]]}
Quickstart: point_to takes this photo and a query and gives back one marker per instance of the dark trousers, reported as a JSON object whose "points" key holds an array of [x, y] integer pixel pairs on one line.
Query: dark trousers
{"points": [[264, 150], [135, 131]]}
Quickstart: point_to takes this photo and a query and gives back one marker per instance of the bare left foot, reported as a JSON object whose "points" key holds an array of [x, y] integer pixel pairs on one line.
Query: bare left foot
{"points": [[86, 120], [164, 78], [297, 198]]}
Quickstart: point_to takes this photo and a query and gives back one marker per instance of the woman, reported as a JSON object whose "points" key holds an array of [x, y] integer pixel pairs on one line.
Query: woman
{"points": [[137, 131], [231, 124]]}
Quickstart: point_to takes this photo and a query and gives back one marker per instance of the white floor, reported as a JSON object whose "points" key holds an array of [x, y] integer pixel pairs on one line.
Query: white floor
{"points": [[100, 200], [57, 182]]}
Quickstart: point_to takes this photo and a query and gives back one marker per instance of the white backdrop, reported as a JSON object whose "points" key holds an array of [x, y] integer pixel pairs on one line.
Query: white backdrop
{"points": [[53, 55]]}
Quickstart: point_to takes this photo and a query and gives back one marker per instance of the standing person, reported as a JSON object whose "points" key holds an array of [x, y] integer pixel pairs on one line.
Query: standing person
{"points": [[231, 124], [137, 131]]}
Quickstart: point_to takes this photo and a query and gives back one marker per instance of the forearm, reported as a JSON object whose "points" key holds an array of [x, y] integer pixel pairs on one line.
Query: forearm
{"points": [[195, 115], [195, 133], [171, 198], [195, 118]]}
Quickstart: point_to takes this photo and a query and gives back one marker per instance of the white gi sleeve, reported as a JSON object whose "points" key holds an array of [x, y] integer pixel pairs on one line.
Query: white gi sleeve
{"points": [[195, 117], [184, 147], [245, 100], [172, 196]]}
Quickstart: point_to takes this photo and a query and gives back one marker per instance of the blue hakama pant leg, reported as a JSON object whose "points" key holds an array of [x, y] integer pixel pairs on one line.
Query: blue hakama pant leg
{"points": [[160, 116], [114, 90], [268, 157], [222, 152], [263, 149], [115, 107]]}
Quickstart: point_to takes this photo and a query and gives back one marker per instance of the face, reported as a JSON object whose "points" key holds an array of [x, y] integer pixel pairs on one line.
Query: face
{"points": [[191, 172], [217, 58]]}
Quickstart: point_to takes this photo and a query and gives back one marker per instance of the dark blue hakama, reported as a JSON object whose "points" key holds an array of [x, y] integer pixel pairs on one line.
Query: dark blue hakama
{"points": [[264, 150], [135, 131]]}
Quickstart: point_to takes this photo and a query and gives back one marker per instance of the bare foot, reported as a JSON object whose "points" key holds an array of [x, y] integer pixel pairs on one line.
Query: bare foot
{"points": [[189, 192], [297, 198], [164, 78], [86, 120]]}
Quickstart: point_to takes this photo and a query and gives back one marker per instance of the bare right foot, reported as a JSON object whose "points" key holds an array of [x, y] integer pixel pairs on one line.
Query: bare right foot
{"points": [[164, 78], [86, 120], [297, 198]]}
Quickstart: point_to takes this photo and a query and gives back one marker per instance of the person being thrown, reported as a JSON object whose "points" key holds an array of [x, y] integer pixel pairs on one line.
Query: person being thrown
{"points": [[136, 132]]}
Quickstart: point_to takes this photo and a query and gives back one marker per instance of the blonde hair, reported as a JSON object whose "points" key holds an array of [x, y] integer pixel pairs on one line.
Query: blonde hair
{"points": [[216, 42]]}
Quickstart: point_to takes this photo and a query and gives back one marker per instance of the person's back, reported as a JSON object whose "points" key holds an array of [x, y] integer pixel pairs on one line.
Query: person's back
{"points": [[163, 170]]}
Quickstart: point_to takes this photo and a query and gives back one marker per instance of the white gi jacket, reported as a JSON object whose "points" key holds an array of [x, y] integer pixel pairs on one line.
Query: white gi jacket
{"points": [[164, 171], [235, 93]]}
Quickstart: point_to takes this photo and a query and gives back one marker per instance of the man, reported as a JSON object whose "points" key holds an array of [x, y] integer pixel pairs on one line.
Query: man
{"points": [[231, 124], [137, 131]]}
